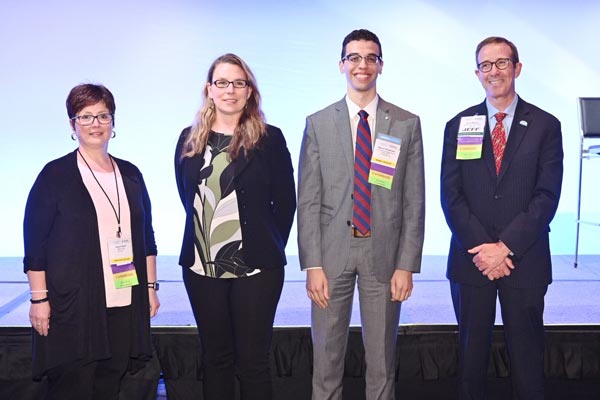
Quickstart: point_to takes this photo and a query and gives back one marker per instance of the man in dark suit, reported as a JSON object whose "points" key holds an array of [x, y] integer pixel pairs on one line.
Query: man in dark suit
{"points": [[499, 193], [342, 242]]}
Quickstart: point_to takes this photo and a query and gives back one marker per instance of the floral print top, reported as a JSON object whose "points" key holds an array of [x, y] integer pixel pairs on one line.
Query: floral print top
{"points": [[218, 244]]}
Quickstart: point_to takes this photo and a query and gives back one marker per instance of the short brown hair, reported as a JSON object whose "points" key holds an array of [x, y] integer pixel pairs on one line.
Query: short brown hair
{"points": [[88, 94], [498, 39]]}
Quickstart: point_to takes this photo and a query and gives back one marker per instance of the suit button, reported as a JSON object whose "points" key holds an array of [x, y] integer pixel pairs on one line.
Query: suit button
{"points": [[242, 191], [243, 205], [348, 223]]}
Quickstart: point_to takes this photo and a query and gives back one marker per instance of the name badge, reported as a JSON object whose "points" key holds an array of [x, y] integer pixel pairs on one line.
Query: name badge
{"points": [[470, 137], [120, 252], [384, 159]]}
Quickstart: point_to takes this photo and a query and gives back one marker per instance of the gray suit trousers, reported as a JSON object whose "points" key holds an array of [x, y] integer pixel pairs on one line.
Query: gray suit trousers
{"points": [[379, 317]]}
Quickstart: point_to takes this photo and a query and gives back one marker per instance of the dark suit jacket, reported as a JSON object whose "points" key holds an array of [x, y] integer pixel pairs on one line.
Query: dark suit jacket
{"points": [[61, 237], [515, 207], [266, 194]]}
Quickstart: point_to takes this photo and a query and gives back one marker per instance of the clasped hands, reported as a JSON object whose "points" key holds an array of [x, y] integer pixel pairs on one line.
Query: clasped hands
{"points": [[492, 260]]}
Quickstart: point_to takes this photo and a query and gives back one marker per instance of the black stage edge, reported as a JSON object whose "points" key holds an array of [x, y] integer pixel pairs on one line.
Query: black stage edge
{"points": [[426, 364]]}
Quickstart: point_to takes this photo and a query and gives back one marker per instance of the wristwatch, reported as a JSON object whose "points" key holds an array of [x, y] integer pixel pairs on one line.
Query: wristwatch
{"points": [[153, 285]]}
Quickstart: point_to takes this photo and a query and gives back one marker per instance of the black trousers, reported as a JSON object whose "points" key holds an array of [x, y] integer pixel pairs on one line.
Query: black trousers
{"points": [[522, 317], [235, 323], [99, 379]]}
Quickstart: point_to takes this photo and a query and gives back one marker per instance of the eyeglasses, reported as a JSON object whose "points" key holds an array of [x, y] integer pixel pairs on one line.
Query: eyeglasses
{"points": [[501, 63], [88, 119], [357, 58], [238, 83]]}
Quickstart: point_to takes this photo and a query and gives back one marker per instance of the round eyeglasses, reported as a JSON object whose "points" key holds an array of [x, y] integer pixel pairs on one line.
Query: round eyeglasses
{"points": [[238, 83], [356, 59], [88, 119], [501, 63]]}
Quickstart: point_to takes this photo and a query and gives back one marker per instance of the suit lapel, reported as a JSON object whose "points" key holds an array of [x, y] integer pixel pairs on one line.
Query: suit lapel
{"points": [[518, 129], [487, 152], [382, 122], [382, 125], [344, 132]]}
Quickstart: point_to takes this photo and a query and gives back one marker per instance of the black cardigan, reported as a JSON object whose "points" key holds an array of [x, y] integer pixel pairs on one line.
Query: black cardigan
{"points": [[61, 237], [266, 195]]}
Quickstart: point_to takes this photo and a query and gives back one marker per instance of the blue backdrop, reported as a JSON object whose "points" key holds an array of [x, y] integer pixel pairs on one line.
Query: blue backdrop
{"points": [[153, 55]]}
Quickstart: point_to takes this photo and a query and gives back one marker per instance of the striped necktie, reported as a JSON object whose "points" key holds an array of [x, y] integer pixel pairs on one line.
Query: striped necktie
{"points": [[361, 218]]}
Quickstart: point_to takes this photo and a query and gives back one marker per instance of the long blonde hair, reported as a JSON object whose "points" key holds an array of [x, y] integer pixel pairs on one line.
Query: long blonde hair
{"points": [[251, 126]]}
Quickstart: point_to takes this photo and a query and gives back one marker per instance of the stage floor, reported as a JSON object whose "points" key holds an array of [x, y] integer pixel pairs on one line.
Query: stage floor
{"points": [[573, 298]]}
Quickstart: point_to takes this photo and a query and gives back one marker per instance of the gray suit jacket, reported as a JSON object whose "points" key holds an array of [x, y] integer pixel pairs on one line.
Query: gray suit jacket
{"points": [[325, 188]]}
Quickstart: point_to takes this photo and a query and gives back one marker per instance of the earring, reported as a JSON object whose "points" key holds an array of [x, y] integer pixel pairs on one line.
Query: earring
{"points": [[114, 134], [73, 136]]}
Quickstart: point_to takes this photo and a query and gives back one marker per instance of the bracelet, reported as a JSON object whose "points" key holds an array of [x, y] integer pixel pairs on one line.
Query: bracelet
{"points": [[39, 291], [45, 299]]}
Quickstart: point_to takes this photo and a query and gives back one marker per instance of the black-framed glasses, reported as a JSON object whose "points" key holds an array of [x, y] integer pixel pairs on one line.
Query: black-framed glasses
{"points": [[238, 83], [501, 63], [88, 119], [355, 58]]}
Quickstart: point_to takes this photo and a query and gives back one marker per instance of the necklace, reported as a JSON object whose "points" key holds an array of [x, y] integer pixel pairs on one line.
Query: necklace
{"points": [[117, 211]]}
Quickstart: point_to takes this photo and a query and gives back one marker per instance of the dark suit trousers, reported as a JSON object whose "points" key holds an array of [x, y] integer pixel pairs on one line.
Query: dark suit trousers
{"points": [[235, 323], [522, 316]]}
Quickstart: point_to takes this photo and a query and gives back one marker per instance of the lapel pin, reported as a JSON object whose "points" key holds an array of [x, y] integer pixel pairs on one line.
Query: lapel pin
{"points": [[524, 123]]}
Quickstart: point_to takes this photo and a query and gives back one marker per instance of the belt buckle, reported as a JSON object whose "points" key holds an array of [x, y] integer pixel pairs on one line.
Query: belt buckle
{"points": [[357, 234]]}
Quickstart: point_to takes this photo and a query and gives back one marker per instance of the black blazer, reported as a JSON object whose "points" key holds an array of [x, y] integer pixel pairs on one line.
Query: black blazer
{"points": [[515, 207], [61, 237], [266, 195]]}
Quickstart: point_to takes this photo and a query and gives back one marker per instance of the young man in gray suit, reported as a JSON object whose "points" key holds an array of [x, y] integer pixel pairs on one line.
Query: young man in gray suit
{"points": [[359, 221]]}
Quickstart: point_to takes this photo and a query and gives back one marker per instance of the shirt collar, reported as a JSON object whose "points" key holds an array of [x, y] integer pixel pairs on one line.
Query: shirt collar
{"points": [[510, 110], [370, 108]]}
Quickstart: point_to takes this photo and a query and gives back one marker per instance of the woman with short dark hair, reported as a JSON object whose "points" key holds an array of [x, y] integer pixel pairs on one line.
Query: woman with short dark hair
{"points": [[90, 257]]}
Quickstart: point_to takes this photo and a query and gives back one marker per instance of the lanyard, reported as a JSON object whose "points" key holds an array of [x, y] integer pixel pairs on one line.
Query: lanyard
{"points": [[117, 211]]}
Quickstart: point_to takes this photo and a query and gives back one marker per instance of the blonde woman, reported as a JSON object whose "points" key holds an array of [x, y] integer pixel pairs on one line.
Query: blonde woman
{"points": [[235, 179]]}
